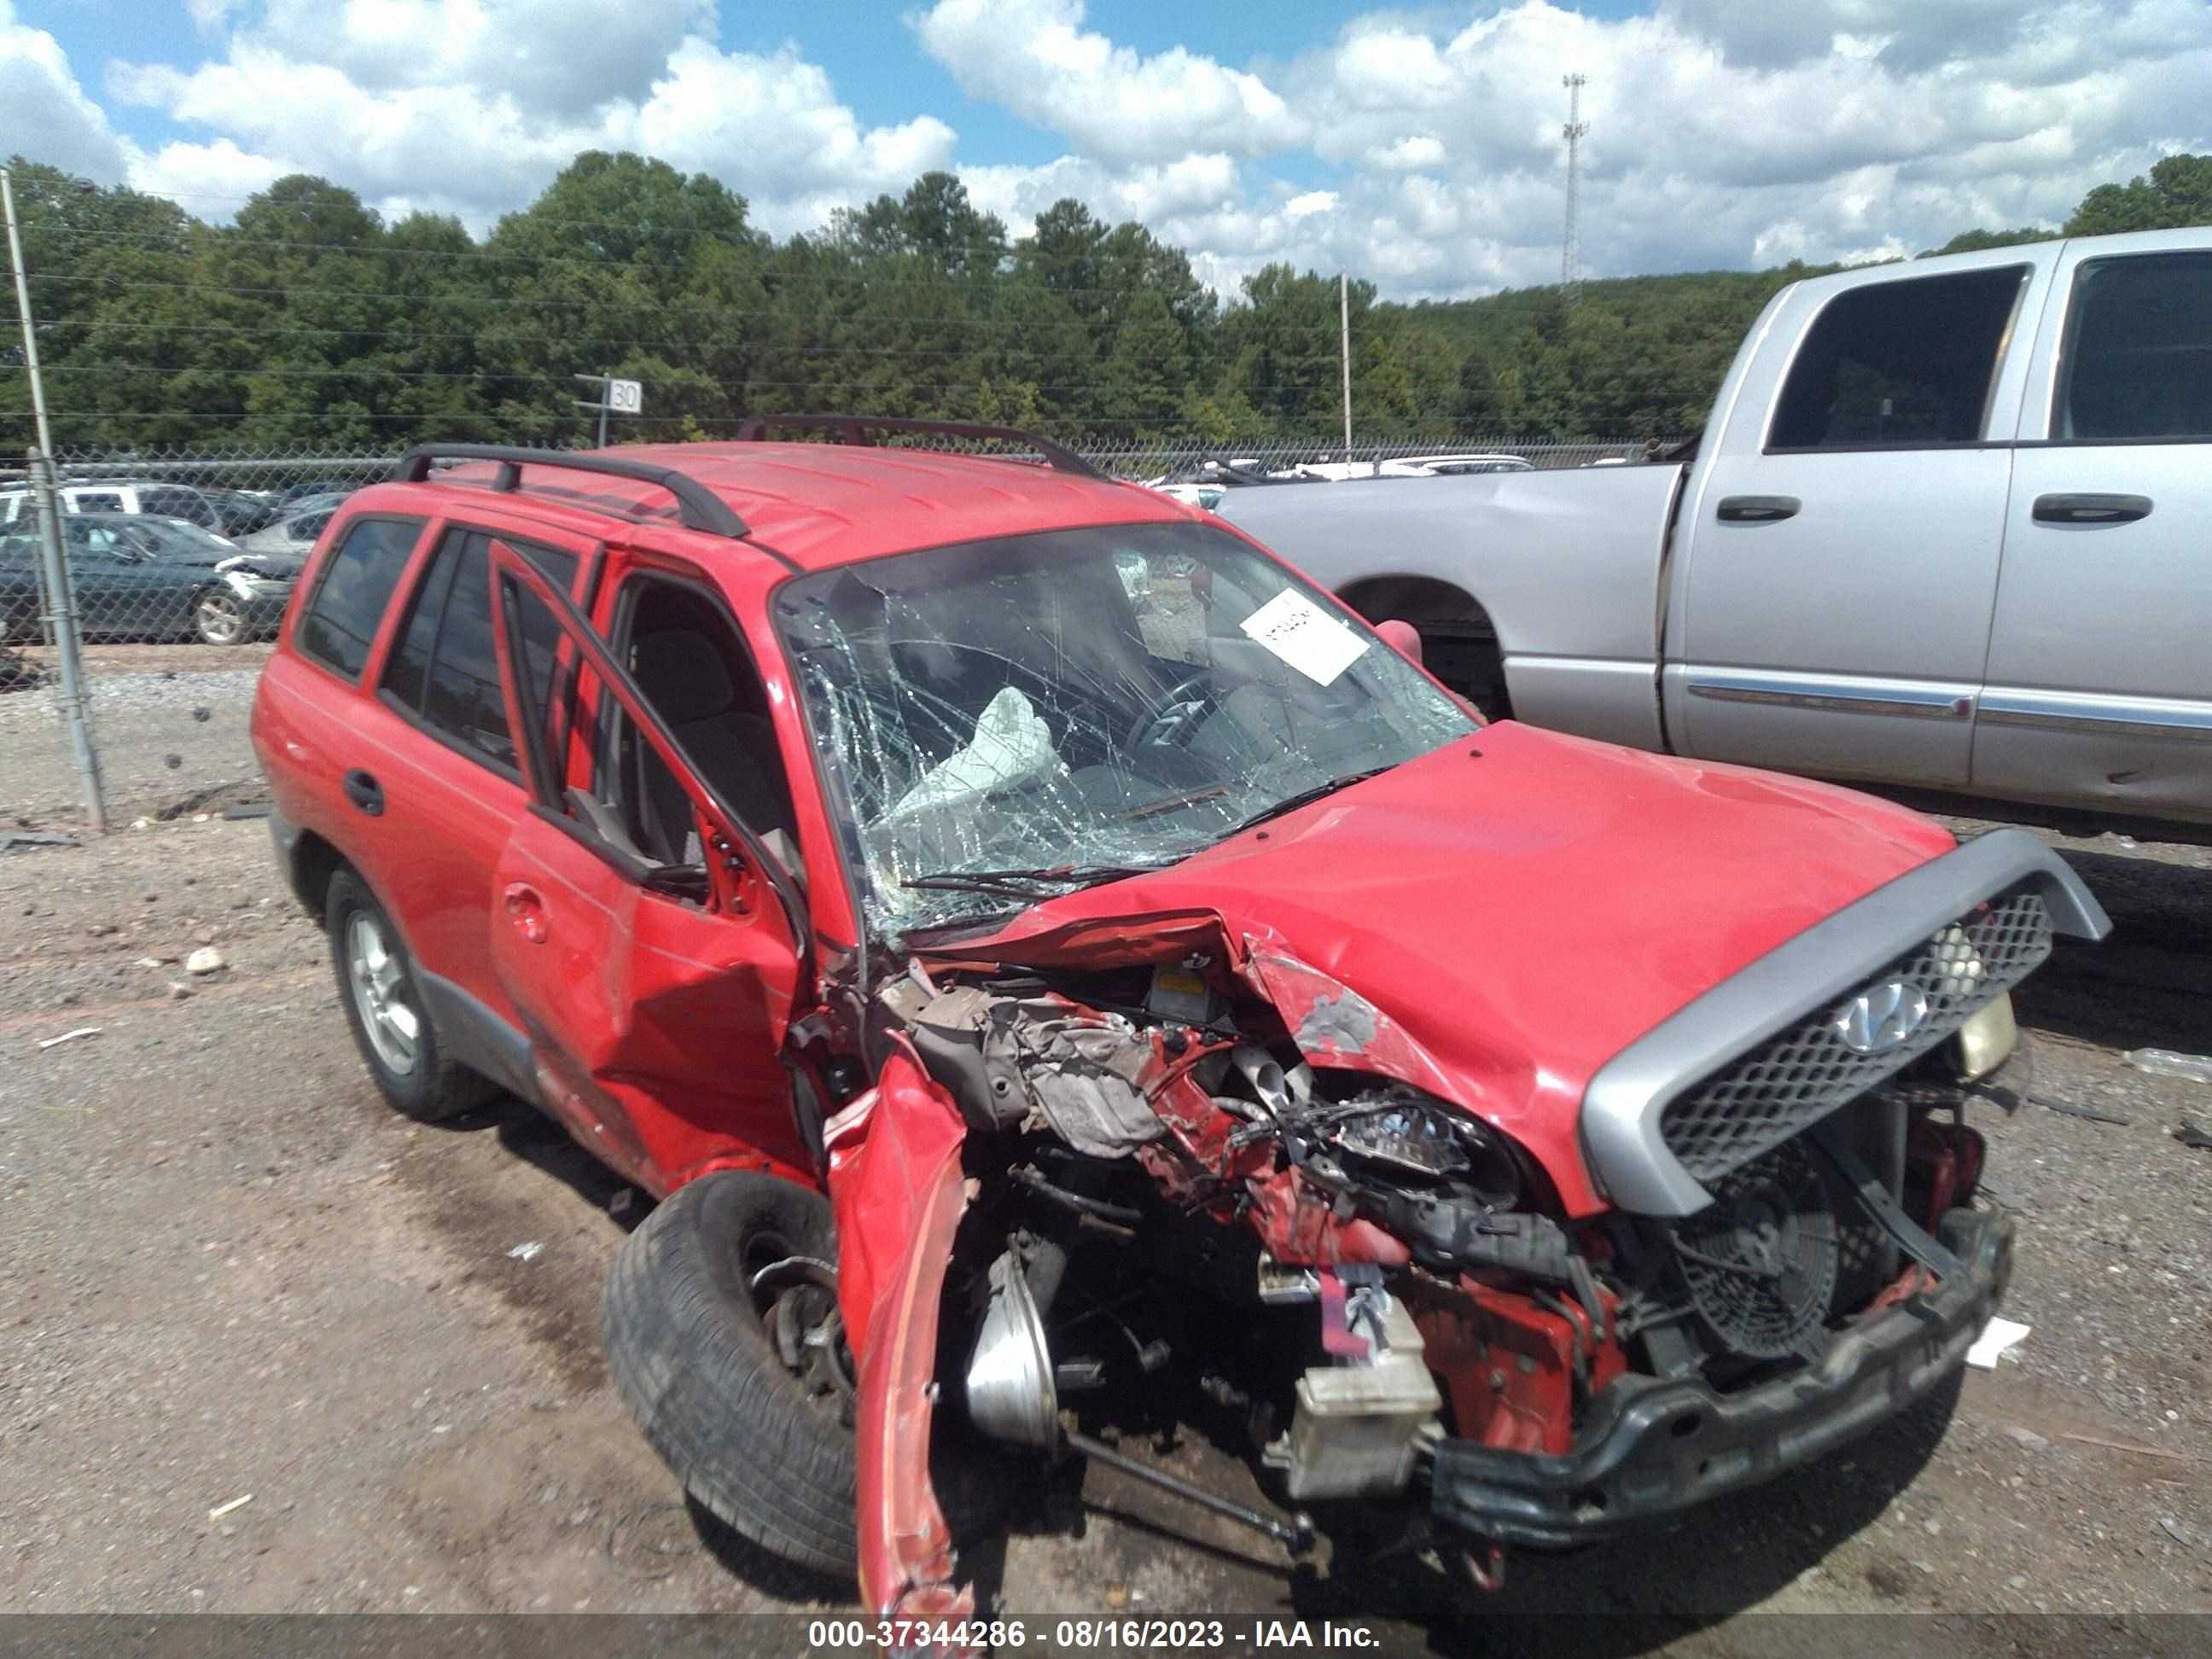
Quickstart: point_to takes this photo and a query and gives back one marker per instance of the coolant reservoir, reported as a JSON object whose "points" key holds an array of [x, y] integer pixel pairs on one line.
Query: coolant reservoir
{"points": [[1357, 1422]]}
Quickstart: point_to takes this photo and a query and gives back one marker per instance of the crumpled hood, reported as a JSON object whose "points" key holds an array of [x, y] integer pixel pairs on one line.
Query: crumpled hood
{"points": [[1521, 905], [272, 566]]}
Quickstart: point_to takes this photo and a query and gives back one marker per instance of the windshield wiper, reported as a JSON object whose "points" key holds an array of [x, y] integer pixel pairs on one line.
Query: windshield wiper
{"points": [[1305, 798], [1026, 884]]}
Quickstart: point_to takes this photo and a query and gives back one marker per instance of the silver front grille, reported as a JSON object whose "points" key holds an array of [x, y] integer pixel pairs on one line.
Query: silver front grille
{"points": [[1801, 1073]]}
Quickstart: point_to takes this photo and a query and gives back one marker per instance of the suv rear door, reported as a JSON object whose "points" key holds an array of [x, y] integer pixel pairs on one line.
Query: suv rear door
{"points": [[655, 996], [2099, 692]]}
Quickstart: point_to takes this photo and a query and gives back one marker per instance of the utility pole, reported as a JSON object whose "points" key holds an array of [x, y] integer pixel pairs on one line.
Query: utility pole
{"points": [[1577, 129], [1344, 351], [61, 607]]}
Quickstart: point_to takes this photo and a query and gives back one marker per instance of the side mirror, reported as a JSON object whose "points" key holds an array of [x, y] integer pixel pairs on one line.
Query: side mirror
{"points": [[1401, 637]]}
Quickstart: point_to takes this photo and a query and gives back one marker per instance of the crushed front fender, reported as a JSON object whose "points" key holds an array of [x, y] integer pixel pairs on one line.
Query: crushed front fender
{"points": [[897, 1188]]}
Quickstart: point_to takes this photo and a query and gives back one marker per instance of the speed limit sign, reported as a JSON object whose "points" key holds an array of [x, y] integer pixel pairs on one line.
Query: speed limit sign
{"points": [[626, 396]]}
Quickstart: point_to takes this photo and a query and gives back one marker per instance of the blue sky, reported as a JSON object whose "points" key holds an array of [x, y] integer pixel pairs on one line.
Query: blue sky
{"points": [[1417, 146]]}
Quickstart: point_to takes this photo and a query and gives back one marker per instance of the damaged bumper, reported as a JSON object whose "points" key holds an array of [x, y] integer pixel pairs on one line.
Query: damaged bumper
{"points": [[1655, 1448]]}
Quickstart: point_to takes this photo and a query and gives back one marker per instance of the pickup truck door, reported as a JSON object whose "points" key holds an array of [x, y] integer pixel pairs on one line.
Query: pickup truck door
{"points": [[1838, 544], [2100, 690], [655, 998]]}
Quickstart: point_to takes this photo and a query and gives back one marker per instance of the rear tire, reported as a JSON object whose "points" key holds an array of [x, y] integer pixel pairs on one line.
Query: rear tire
{"points": [[768, 1451], [391, 1024]]}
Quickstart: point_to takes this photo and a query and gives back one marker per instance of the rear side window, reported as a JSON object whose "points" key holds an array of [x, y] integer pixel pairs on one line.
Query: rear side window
{"points": [[340, 622], [446, 670], [1910, 362], [2138, 355], [93, 501]]}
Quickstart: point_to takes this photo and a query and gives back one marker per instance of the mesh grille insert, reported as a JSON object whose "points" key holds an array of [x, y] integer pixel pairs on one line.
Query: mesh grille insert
{"points": [[1801, 1074]]}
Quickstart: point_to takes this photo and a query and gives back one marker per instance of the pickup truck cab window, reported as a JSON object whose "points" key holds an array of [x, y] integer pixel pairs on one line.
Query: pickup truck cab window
{"points": [[2137, 361], [1912, 361]]}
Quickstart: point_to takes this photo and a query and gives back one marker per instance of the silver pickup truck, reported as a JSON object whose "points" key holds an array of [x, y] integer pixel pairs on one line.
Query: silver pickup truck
{"points": [[1949, 530]]}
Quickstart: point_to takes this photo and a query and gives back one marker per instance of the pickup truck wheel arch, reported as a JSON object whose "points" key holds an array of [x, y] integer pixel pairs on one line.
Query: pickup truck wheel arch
{"points": [[1458, 639]]}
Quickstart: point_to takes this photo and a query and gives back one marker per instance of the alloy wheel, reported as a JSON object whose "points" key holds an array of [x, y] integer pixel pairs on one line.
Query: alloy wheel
{"points": [[219, 619], [382, 995]]}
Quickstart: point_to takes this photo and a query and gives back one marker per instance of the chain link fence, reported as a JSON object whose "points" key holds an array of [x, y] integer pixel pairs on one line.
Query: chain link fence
{"points": [[180, 564]]}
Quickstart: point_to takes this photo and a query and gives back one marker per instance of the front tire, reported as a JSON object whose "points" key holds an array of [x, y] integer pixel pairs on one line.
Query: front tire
{"points": [[218, 618], [723, 1339], [391, 1024]]}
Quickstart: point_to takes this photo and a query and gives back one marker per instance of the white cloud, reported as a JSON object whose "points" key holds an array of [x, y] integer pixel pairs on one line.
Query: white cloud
{"points": [[556, 59], [1420, 146], [1728, 135], [44, 115], [1420, 150], [1181, 192], [1035, 57], [474, 124]]}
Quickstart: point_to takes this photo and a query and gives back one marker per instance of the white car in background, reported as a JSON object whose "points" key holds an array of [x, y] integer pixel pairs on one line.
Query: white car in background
{"points": [[1407, 466], [1208, 495]]}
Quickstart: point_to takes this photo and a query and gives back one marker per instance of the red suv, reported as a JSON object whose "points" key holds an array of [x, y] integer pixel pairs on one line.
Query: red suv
{"points": [[972, 893]]}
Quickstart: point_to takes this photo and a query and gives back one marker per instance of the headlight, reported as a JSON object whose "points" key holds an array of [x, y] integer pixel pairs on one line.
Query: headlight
{"points": [[1400, 1133], [255, 587], [1986, 1040]]}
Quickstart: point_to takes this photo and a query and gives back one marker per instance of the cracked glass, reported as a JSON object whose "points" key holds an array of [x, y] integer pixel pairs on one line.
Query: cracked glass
{"points": [[1003, 719]]}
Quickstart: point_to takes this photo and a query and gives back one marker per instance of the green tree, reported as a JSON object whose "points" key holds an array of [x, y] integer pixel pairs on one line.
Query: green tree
{"points": [[1973, 241], [2177, 194]]}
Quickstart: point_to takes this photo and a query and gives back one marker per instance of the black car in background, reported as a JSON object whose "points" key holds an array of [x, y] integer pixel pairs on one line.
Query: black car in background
{"points": [[136, 576]]}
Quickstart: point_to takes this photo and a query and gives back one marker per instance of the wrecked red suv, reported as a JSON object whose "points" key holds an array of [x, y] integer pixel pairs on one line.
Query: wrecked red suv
{"points": [[971, 891]]}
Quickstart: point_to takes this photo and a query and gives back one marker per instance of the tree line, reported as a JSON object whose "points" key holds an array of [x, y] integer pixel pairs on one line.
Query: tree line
{"points": [[309, 322]]}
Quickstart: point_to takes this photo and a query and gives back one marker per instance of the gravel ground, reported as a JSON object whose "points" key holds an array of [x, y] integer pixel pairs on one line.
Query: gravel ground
{"points": [[169, 722], [234, 1273]]}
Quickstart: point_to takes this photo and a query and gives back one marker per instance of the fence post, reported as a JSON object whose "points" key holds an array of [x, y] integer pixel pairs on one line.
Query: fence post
{"points": [[61, 613], [62, 630]]}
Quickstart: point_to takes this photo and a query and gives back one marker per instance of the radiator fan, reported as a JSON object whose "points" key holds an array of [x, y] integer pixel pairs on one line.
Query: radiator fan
{"points": [[1761, 1260]]}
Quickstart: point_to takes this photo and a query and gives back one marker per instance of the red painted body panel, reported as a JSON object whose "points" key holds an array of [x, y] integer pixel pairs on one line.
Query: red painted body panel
{"points": [[829, 504], [896, 1185], [654, 1025], [1519, 907]]}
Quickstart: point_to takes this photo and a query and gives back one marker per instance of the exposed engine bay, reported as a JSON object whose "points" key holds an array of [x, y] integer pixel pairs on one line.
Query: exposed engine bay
{"points": [[1171, 1178]]}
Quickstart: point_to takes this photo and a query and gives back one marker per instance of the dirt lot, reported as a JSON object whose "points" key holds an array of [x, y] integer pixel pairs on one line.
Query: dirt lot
{"points": [[231, 1271], [169, 721]]}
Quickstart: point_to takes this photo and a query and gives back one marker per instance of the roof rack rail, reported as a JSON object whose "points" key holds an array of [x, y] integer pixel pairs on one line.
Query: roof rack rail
{"points": [[697, 507], [854, 428]]}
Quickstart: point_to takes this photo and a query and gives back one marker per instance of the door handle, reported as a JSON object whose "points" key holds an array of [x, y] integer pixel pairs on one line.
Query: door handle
{"points": [[2091, 508], [1758, 509], [527, 910], [365, 791]]}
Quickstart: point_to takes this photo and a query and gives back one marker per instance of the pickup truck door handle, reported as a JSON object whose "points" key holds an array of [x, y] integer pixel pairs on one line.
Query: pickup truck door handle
{"points": [[1758, 509], [365, 791], [2091, 509]]}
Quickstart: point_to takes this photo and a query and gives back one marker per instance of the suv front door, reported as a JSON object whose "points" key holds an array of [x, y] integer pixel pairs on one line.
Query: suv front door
{"points": [[2099, 693], [655, 996]]}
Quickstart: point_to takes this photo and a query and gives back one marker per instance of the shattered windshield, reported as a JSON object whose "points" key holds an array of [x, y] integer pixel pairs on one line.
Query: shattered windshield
{"points": [[1007, 719]]}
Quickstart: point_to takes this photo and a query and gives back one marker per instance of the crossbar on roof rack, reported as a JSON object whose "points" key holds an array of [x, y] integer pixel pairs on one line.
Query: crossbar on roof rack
{"points": [[854, 428], [697, 507]]}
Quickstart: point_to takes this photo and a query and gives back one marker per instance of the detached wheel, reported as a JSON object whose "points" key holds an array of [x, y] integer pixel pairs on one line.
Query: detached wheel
{"points": [[218, 618], [725, 1341], [392, 1025]]}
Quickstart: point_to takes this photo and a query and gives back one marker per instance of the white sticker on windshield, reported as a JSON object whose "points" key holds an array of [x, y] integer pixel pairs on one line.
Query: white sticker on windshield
{"points": [[1305, 636]]}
